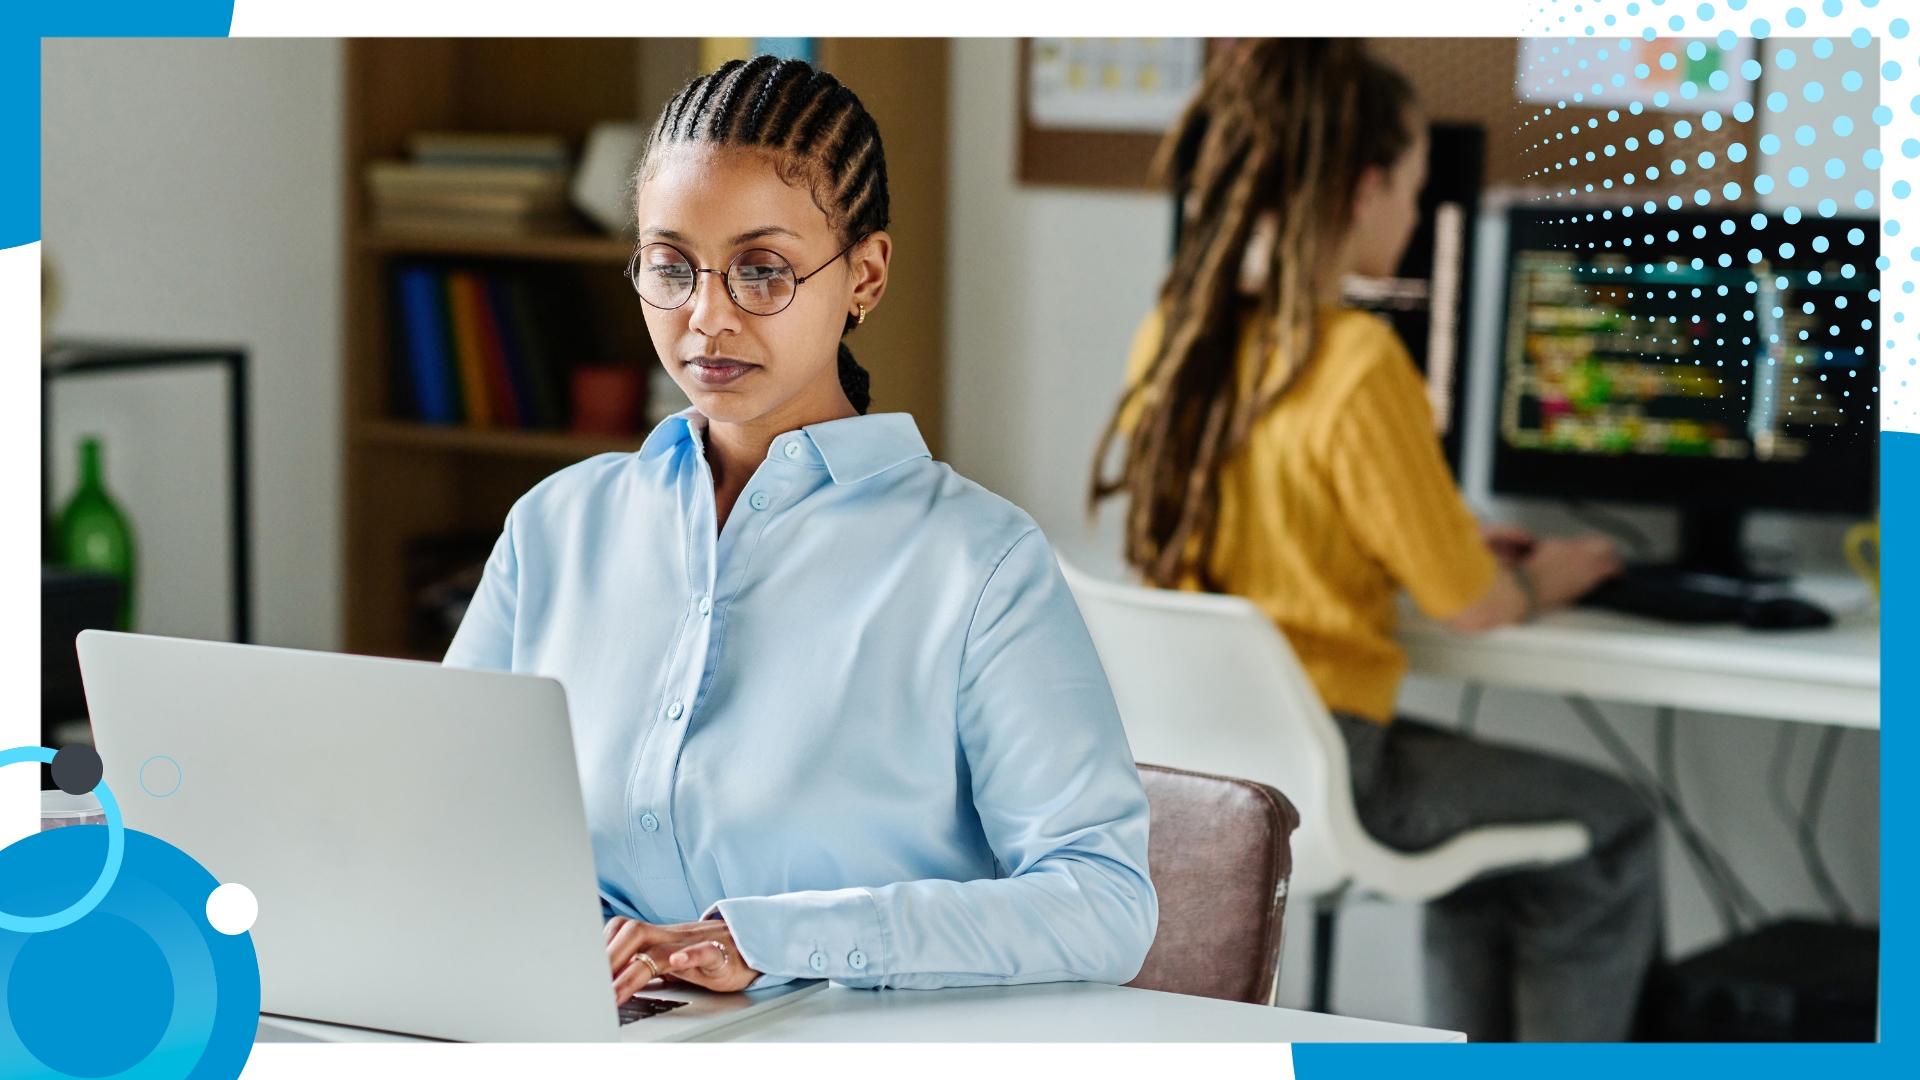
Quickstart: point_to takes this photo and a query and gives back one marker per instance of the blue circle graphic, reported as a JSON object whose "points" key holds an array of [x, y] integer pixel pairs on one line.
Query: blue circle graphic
{"points": [[158, 772], [56, 975], [150, 935], [109, 871]]}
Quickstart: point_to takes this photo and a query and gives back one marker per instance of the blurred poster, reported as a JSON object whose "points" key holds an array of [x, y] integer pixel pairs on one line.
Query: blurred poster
{"points": [[1112, 84]]}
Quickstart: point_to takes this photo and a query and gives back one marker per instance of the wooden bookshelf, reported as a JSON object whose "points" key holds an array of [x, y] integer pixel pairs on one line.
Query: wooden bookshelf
{"points": [[538, 445], [581, 248], [406, 480]]}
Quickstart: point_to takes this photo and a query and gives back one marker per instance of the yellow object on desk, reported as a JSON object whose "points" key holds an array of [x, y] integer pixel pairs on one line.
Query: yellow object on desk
{"points": [[1862, 539]]}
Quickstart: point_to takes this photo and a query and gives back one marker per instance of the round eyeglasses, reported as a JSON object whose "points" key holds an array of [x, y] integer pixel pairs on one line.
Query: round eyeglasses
{"points": [[761, 282]]}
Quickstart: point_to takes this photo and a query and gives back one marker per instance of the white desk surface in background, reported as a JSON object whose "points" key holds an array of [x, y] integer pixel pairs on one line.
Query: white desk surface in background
{"points": [[1828, 676], [1042, 1012]]}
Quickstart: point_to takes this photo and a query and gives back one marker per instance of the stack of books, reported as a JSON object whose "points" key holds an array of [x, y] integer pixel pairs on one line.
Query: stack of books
{"points": [[485, 347], [474, 183]]}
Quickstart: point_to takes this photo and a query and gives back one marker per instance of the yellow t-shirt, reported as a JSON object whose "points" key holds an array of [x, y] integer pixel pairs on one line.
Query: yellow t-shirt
{"points": [[1339, 497]]}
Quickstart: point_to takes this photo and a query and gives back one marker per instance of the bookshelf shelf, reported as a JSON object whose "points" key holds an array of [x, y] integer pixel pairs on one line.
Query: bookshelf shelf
{"points": [[554, 446], [559, 247]]}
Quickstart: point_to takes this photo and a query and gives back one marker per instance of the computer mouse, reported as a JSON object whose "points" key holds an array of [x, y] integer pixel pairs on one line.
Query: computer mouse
{"points": [[1783, 613]]}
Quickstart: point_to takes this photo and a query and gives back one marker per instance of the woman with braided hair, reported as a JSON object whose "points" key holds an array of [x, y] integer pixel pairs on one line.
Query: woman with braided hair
{"points": [[835, 711], [1280, 447]]}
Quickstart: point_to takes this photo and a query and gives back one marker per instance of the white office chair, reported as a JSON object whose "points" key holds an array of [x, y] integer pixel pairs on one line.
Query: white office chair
{"points": [[1206, 682]]}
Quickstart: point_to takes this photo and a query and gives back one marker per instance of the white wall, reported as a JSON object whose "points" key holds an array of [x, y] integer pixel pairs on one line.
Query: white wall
{"points": [[192, 194], [1046, 287]]}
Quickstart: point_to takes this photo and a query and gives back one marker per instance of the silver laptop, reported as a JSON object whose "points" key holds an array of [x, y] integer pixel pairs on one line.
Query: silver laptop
{"points": [[414, 834]]}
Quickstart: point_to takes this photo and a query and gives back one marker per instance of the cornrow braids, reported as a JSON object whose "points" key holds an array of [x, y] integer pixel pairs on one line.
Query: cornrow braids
{"points": [[818, 135], [695, 107], [756, 116], [723, 118], [1281, 127]]}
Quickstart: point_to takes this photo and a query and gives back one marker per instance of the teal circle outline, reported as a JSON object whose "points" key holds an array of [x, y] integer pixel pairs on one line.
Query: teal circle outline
{"points": [[178, 777], [116, 848]]}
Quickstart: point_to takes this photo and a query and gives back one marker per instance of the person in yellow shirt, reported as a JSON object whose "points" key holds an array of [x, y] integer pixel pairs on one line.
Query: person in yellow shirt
{"points": [[1281, 448]]}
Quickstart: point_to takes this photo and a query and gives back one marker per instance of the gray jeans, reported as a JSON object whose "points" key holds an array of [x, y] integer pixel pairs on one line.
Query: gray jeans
{"points": [[1552, 955]]}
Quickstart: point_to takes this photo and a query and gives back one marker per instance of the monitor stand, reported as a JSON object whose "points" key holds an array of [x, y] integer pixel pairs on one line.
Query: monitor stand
{"points": [[1710, 544], [1710, 582]]}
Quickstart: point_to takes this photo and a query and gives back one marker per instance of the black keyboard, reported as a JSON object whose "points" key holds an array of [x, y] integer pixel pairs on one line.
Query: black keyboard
{"points": [[639, 1008], [1682, 596]]}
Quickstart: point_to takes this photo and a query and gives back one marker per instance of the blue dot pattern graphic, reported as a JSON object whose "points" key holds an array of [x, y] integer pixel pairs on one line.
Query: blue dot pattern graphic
{"points": [[142, 987], [1826, 98]]}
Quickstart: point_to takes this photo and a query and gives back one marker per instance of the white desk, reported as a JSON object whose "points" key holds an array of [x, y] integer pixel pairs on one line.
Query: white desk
{"points": [[1828, 676], [1043, 1012], [1054, 1012]]}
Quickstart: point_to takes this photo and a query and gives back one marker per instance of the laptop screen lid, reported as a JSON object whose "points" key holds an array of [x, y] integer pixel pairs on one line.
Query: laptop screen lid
{"points": [[414, 834]]}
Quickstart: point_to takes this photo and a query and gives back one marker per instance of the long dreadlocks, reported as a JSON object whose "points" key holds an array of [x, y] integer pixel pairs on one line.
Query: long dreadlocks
{"points": [[1280, 127]]}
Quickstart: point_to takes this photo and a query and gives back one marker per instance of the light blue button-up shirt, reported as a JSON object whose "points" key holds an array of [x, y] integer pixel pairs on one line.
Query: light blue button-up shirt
{"points": [[864, 723]]}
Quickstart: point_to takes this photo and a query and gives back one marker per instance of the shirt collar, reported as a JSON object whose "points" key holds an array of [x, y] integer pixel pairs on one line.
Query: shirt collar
{"points": [[859, 447], [670, 433], [854, 449]]}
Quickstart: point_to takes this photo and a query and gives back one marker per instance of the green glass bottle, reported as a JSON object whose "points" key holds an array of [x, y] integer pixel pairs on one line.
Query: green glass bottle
{"points": [[94, 533]]}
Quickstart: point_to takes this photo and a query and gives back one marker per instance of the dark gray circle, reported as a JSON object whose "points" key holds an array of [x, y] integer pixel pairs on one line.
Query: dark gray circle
{"points": [[76, 769]]}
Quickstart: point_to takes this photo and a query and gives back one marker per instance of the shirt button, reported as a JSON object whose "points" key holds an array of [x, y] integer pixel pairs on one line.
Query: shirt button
{"points": [[857, 960], [760, 501], [793, 449], [674, 710], [706, 605], [649, 822], [818, 961]]}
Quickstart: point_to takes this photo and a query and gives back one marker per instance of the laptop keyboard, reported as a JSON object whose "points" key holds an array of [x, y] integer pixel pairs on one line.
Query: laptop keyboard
{"points": [[639, 1008]]}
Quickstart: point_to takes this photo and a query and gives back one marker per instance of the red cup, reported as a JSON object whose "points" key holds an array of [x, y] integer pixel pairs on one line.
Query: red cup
{"points": [[606, 400]]}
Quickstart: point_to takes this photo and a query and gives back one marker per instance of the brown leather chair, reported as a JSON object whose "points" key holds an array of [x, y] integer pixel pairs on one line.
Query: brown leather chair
{"points": [[1218, 853]]}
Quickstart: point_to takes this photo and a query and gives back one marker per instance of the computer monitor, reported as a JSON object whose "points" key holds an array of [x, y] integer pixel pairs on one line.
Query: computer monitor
{"points": [[1716, 362]]}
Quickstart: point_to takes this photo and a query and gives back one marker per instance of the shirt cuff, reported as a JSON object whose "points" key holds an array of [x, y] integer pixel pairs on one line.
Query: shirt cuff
{"points": [[760, 981], [835, 934]]}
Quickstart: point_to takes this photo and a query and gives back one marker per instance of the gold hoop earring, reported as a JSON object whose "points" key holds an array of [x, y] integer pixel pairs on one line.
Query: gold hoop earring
{"points": [[862, 317]]}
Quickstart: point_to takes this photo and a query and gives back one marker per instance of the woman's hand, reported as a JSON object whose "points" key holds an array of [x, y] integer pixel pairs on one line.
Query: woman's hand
{"points": [[1565, 570], [1510, 544], [1559, 571], [701, 953]]}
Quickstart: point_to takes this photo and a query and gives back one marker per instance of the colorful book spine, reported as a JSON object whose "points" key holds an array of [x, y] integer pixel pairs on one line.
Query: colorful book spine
{"points": [[485, 348], [463, 292], [493, 356], [423, 316], [535, 355], [512, 346], [456, 384], [402, 401]]}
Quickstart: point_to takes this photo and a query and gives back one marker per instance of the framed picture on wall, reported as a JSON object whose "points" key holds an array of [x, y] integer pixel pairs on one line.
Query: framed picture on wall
{"points": [[169, 425], [1093, 110]]}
